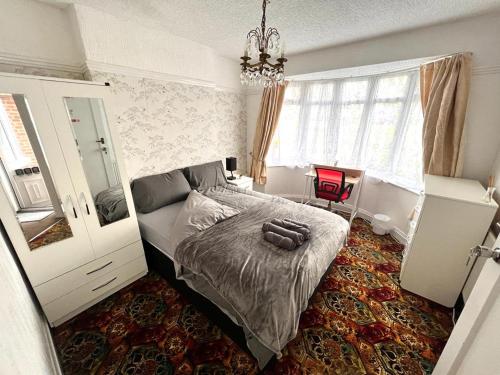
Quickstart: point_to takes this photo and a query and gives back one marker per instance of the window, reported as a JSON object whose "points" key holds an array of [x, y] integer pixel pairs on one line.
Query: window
{"points": [[370, 122], [10, 150]]}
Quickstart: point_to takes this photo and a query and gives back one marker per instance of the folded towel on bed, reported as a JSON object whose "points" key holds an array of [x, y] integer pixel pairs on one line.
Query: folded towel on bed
{"points": [[280, 241], [307, 226], [292, 226], [298, 238]]}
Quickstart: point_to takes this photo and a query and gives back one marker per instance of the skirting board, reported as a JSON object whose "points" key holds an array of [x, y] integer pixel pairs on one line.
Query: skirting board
{"points": [[395, 232]]}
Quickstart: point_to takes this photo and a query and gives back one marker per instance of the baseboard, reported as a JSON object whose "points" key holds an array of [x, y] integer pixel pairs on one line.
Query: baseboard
{"points": [[396, 233]]}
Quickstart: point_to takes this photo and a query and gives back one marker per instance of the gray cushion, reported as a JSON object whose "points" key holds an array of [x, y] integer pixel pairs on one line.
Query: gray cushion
{"points": [[153, 192], [206, 175]]}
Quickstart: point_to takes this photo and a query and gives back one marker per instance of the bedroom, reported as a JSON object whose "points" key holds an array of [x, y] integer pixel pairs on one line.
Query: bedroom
{"points": [[174, 99]]}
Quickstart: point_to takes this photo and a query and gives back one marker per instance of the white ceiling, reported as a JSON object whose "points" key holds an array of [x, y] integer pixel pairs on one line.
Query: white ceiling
{"points": [[304, 25]]}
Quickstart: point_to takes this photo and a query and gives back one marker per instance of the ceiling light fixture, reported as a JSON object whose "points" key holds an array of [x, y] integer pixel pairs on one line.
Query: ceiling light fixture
{"points": [[263, 44]]}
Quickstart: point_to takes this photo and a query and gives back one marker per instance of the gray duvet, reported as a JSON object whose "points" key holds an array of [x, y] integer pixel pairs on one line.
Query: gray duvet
{"points": [[267, 286]]}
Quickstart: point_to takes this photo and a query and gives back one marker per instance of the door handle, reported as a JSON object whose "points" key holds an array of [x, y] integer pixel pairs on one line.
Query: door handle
{"points": [[72, 206], [485, 252], [101, 140], [82, 197], [106, 283], [100, 268]]}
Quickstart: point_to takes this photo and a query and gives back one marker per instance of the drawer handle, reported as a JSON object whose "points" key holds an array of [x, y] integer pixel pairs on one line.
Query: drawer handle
{"points": [[106, 283], [100, 268]]}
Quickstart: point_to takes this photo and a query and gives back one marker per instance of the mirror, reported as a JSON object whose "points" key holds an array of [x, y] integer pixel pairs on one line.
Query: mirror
{"points": [[97, 155], [25, 176]]}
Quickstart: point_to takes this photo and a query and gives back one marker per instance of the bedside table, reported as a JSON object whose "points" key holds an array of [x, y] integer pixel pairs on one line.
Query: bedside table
{"points": [[243, 182]]}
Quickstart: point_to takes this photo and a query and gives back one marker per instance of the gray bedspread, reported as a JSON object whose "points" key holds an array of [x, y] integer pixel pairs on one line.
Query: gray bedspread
{"points": [[267, 286], [111, 203]]}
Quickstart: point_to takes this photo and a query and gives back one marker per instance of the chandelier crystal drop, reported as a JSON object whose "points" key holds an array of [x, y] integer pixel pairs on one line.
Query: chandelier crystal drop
{"points": [[263, 44]]}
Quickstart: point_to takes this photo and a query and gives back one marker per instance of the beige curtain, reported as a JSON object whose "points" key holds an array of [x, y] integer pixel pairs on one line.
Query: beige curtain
{"points": [[444, 90], [267, 122]]}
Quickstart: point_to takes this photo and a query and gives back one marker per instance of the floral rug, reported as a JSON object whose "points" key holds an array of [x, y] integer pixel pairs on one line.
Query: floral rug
{"points": [[359, 321], [58, 232]]}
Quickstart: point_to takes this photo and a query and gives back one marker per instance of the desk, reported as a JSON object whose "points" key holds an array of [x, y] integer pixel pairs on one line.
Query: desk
{"points": [[349, 179]]}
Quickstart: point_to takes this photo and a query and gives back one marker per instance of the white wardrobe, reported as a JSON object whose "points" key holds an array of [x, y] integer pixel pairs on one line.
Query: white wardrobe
{"points": [[84, 244], [451, 218]]}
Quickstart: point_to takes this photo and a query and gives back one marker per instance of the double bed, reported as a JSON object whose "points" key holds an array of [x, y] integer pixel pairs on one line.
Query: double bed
{"points": [[261, 288]]}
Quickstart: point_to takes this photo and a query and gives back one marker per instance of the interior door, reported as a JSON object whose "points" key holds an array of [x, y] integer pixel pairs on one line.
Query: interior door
{"points": [[83, 126], [53, 241], [473, 345]]}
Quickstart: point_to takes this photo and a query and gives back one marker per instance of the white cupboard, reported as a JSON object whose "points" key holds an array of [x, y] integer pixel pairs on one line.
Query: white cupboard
{"points": [[83, 244], [450, 218]]}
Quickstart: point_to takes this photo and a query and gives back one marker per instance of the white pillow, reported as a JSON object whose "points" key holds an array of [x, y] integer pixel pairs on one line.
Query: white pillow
{"points": [[198, 213]]}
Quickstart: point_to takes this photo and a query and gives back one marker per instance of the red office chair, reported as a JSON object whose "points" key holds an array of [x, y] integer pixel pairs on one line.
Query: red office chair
{"points": [[330, 184]]}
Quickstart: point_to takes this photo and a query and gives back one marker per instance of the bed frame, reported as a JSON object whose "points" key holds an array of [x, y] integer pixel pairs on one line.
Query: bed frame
{"points": [[164, 266]]}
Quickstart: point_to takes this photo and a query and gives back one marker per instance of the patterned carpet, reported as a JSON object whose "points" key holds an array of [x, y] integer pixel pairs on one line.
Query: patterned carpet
{"points": [[358, 322], [58, 232]]}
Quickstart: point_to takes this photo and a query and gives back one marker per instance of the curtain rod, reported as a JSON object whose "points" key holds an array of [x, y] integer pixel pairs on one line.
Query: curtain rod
{"points": [[412, 69], [402, 70], [439, 58]]}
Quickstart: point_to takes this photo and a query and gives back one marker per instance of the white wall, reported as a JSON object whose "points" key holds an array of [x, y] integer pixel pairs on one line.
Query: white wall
{"points": [[37, 31], [26, 345], [179, 102], [109, 40], [480, 35], [40, 35]]}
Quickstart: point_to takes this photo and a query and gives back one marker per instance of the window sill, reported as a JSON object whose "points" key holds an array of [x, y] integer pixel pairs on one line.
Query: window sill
{"points": [[413, 190]]}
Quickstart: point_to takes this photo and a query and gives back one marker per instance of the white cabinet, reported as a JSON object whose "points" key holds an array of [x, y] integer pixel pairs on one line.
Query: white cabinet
{"points": [[85, 244], [243, 182], [450, 218]]}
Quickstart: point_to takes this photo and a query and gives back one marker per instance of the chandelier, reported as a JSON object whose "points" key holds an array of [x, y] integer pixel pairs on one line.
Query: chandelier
{"points": [[263, 44]]}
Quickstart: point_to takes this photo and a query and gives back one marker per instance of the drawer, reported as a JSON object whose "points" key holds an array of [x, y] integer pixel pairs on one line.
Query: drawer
{"points": [[71, 280], [92, 291]]}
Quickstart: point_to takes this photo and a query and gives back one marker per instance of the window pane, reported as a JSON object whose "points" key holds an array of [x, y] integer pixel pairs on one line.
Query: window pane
{"points": [[381, 134], [320, 92], [350, 120], [284, 143], [392, 87], [383, 126], [409, 167], [317, 133], [354, 91], [292, 92]]}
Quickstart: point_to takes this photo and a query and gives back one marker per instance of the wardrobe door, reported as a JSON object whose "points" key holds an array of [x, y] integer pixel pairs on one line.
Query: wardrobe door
{"points": [[93, 155], [38, 205]]}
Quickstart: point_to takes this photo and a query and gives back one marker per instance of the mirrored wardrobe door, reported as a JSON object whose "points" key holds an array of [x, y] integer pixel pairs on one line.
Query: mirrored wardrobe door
{"points": [[38, 200], [89, 125], [94, 159]]}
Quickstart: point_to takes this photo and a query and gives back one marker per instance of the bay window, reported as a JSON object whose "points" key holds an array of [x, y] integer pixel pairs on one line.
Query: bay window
{"points": [[372, 122]]}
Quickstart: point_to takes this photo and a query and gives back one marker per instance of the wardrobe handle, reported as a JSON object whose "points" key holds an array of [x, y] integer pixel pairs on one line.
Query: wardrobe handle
{"points": [[100, 268], [106, 283], [72, 206], [85, 201]]}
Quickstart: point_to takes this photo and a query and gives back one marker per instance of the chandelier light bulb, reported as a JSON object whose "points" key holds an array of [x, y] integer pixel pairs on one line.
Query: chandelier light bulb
{"points": [[263, 44]]}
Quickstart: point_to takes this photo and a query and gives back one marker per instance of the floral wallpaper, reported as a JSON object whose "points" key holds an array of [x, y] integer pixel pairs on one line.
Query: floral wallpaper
{"points": [[166, 125]]}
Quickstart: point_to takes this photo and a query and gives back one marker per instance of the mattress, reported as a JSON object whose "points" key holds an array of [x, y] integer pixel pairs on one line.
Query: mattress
{"points": [[156, 227]]}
